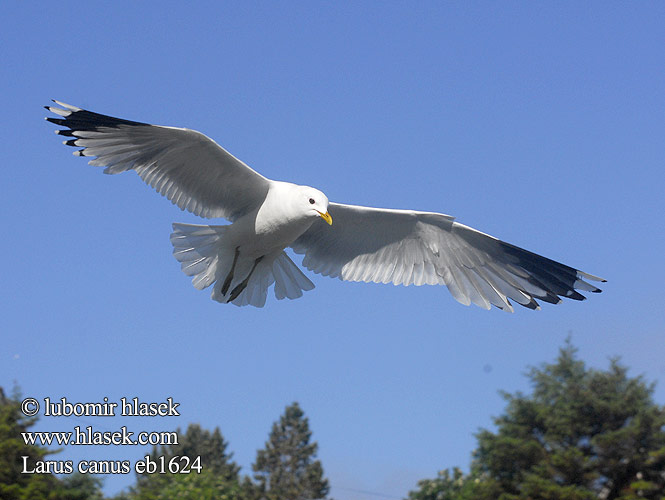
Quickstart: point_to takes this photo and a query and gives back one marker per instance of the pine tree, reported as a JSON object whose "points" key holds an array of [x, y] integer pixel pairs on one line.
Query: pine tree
{"points": [[82, 487], [210, 446], [16, 485], [582, 434], [215, 462], [286, 469]]}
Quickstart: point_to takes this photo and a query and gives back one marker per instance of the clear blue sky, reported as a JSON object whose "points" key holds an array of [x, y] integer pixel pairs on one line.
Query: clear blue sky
{"points": [[539, 123]]}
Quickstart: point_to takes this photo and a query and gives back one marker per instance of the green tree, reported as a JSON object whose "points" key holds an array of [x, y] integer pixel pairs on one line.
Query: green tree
{"points": [[286, 469], [219, 474], [82, 487], [448, 485], [210, 446], [581, 434], [204, 486], [16, 485]]}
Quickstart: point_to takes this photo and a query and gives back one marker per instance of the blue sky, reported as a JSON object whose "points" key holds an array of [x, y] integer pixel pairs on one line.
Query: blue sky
{"points": [[539, 123]]}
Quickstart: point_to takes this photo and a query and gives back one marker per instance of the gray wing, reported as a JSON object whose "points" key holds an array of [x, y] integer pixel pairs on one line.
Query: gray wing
{"points": [[184, 165], [407, 247]]}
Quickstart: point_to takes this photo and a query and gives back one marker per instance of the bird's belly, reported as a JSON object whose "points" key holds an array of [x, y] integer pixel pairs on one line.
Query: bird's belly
{"points": [[256, 240]]}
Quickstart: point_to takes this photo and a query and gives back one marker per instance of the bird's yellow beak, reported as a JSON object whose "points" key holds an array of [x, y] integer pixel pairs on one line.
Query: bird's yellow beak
{"points": [[326, 217]]}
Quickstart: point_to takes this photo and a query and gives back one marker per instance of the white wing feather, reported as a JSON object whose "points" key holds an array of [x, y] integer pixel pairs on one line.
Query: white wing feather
{"points": [[185, 166], [406, 247]]}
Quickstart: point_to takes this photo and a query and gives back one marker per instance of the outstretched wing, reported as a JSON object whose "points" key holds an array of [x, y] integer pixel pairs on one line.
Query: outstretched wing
{"points": [[408, 247], [184, 165]]}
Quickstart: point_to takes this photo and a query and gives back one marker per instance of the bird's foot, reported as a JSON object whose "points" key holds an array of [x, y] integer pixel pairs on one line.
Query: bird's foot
{"points": [[243, 284], [229, 277], [238, 290]]}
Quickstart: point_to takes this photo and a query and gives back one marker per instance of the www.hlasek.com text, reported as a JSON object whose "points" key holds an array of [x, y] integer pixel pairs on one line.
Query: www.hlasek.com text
{"points": [[87, 437]]}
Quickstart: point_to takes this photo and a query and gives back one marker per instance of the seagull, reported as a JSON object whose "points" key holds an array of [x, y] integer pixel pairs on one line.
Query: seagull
{"points": [[242, 260]]}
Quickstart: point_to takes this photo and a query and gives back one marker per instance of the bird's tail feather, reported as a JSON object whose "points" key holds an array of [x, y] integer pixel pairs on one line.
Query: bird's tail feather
{"points": [[197, 249], [290, 282], [202, 255]]}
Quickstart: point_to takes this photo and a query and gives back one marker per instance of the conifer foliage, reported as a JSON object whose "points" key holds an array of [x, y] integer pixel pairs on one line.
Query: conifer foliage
{"points": [[582, 434], [286, 468], [217, 478], [17, 485]]}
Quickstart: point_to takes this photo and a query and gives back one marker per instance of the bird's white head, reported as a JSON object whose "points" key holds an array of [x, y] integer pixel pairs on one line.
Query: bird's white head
{"points": [[315, 203]]}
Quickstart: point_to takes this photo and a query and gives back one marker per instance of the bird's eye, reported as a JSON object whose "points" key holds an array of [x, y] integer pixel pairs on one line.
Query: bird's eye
{"points": [[311, 201]]}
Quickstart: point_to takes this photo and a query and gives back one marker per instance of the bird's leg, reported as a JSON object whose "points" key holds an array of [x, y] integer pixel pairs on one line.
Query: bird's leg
{"points": [[240, 287], [229, 277]]}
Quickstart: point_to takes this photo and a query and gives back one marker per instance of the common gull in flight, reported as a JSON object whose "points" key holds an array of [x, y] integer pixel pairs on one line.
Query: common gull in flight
{"points": [[243, 259]]}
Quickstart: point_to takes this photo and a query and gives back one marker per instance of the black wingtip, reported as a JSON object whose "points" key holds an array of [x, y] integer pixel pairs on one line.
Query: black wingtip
{"points": [[575, 296], [533, 305], [82, 120]]}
